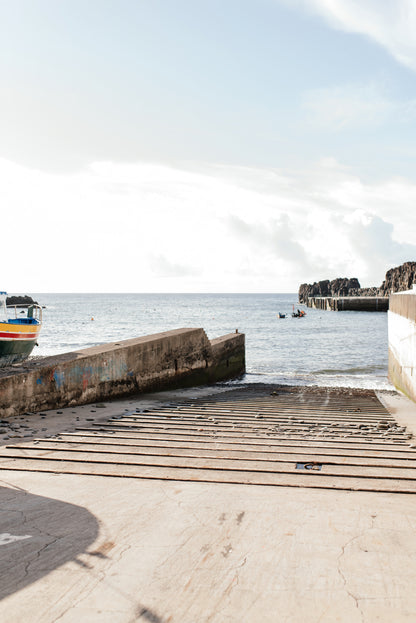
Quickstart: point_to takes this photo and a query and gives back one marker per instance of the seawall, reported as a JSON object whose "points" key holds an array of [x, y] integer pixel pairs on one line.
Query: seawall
{"points": [[349, 303], [172, 359], [402, 342]]}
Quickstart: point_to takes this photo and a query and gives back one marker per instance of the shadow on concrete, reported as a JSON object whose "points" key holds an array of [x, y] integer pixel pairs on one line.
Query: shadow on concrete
{"points": [[38, 535]]}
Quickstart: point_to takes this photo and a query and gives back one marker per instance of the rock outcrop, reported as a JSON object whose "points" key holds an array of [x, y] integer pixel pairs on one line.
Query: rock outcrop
{"points": [[20, 301], [337, 287], [397, 279]]}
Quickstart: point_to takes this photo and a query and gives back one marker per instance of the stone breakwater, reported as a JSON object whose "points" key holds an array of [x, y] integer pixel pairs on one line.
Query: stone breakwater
{"points": [[173, 359], [350, 303], [398, 279]]}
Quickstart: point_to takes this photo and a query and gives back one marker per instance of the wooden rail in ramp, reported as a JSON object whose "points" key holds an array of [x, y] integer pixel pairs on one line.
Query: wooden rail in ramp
{"points": [[295, 438]]}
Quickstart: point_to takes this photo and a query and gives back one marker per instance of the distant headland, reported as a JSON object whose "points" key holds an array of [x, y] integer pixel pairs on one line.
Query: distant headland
{"points": [[397, 279], [20, 301]]}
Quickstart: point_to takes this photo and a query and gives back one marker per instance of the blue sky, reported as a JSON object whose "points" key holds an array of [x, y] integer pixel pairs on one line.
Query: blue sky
{"points": [[195, 145]]}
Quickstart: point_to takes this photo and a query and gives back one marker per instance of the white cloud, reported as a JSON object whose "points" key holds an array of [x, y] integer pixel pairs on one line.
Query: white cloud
{"points": [[391, 23], [373, 237], [161, 266], [352, 106], [151, 228], [277, 237]]}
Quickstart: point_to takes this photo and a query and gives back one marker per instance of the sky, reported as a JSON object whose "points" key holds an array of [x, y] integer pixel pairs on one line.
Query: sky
{"points": [[205, 145]]}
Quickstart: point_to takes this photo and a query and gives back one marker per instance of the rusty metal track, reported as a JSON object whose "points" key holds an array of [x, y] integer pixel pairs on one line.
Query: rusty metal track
{"points": [[291, 439]]}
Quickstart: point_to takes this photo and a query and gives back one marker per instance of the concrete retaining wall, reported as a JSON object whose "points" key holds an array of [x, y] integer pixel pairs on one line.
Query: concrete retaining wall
{"points": [[349, 303], [179, 358], [402, 342]]}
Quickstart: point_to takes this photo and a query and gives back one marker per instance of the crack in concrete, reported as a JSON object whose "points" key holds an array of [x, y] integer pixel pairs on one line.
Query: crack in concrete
{"points": [[32, 527], [175, 552], [38, 555], [82, 596], [97, 578], [13, 487], [180, 505], [342, 576], [231, 586], [38, 532]]}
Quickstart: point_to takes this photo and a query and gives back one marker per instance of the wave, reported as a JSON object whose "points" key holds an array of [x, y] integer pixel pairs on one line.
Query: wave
{"points": [[353, 370], [357, 381]]}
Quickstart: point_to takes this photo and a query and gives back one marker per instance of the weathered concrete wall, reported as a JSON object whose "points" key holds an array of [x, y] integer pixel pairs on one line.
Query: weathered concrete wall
{"points": [[402, 342], [179, 358], [349, 303]]}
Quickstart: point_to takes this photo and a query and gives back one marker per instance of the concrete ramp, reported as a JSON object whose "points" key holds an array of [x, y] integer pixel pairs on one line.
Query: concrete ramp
{"points": [[293, 438]]}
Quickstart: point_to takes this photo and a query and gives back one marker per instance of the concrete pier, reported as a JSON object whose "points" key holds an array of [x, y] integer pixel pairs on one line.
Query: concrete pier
{"points": [[178, 358], [350, 303], [402, 342]]}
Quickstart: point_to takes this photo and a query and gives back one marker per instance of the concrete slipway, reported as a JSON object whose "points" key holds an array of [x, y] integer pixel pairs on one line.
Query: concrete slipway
{"points": [[150, 512]]}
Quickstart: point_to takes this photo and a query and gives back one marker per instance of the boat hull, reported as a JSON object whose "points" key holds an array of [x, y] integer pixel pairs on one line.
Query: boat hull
{"points": [[15, 351], [17, 342]]}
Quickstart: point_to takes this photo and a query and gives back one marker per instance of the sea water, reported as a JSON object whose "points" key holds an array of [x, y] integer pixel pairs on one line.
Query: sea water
{"points": [[323, 348]]}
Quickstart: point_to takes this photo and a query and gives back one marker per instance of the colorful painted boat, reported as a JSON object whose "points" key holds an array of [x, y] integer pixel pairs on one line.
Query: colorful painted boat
{"points": [[18, 335]]}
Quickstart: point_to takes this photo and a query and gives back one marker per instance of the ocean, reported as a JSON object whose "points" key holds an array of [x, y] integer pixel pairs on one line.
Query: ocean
{"points": [[347, 349]]}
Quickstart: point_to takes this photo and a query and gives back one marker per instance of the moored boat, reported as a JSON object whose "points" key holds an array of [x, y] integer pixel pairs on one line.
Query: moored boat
{"points": [[18, 335], [298, 314]]}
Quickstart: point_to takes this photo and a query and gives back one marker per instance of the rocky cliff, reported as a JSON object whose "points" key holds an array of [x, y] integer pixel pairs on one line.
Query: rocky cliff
{"points": [[337, 287], [20, 301], [397, 279]]}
